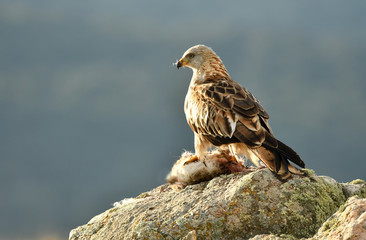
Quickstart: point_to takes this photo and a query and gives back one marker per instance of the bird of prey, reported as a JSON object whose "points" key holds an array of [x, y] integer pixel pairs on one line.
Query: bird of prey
{"points": [[223, 114]]}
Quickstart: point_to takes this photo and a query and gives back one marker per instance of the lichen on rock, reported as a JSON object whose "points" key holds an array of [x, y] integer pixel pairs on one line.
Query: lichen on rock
{"points": [[349, 222], [234, 206], [355, 188]]}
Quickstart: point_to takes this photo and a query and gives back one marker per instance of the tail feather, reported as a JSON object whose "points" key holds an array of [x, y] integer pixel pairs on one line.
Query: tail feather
{"points": [[272, 152], [290, 154], [277, 160]]}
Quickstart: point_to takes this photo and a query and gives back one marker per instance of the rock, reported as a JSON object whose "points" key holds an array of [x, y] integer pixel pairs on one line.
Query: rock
{"points": [[192, 235], [329, 180], [349, 222], [273, 237], [356, 187], [234, 206]]}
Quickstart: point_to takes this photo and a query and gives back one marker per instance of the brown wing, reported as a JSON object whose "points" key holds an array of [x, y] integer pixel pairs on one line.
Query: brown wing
{"points": [[226, 113], [225, 110], [207, 118]]}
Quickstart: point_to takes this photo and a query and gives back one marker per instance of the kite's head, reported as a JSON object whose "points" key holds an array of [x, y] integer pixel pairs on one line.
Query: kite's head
{"points": [[196, 57]]}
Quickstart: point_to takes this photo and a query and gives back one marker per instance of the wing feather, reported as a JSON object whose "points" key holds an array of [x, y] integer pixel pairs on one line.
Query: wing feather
{"points": [[224, 112], [223, 108]]}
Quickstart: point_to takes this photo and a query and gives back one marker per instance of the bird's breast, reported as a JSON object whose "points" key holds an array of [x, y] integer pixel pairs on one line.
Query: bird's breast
{"points": [[191, 106], [196, 111]]}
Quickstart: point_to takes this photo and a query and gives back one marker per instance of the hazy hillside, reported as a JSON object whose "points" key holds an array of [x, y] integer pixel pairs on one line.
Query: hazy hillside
{"points": [[92, 108]]}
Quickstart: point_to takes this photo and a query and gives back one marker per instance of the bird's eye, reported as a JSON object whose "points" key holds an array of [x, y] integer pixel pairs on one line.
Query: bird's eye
{"points": [[190, 55]]}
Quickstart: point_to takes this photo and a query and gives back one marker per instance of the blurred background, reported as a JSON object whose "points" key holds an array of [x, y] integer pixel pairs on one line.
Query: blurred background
{"points": [[92, 107]]}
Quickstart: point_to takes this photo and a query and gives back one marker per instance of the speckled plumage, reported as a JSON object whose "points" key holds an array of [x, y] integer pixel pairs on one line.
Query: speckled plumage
{"points": [[224, 114]]}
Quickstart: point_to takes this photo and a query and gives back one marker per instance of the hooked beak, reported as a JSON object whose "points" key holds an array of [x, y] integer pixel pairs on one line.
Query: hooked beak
{"points": [[180, 63]]}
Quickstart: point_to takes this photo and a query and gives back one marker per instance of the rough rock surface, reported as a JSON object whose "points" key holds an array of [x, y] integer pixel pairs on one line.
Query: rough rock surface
{"points": [[356, 187], [252, 205], [349, 222]]}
